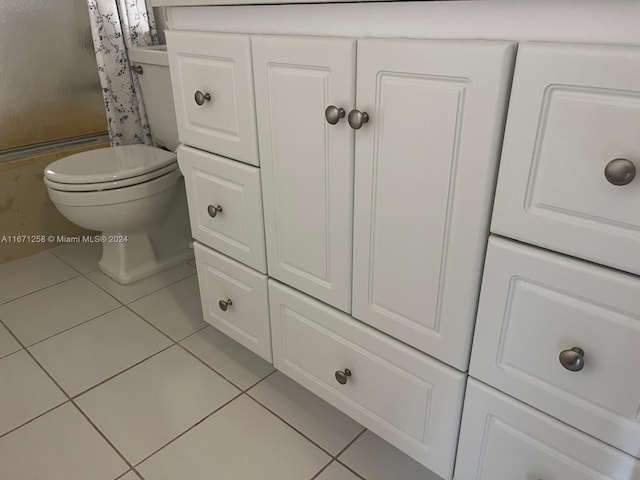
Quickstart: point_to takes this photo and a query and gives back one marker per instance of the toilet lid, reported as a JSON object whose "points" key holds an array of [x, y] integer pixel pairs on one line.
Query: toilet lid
{"points": [[100, 186], [108, 164]]}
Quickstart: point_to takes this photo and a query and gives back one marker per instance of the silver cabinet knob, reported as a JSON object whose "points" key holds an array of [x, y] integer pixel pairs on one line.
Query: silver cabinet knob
{"points": [[333, 114], [225, 304], [572, 359], [200, 97], [357, 118], [137, 69], [342, 376], [620, 171], [214, 210]]}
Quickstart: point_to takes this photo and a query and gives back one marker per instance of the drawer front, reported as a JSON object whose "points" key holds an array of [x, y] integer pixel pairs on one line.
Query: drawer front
{"points": [[503, 439], [244, 314], [535, 305], [217, 65], [225, 205], [573, 110], [409, 399]]}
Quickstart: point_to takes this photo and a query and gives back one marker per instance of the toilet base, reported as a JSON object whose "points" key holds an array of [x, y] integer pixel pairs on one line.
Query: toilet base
{"points": [[130, 261]]}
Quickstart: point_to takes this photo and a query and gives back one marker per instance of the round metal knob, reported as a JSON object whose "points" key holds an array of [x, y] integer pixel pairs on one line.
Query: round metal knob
{"points": [[620, 171], [225, 304], [343, 375], [137, 69], [200, 97], [357, 118], [572, 359], [333, 114], [214, 210]]}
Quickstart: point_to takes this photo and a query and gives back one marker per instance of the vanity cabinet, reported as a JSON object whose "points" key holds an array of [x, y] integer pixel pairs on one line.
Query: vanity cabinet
{"points": [[426, 118]]}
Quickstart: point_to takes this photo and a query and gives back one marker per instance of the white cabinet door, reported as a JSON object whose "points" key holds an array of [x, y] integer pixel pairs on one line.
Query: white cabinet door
{"points": [[573, 110], [503, 439], [424, 173], [213, 93], [307, 163]]}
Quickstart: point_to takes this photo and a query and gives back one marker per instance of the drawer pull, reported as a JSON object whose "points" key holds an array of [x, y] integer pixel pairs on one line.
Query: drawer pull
{"points": [[137, 68], [620, 171], [225, 304], [214, 210], [343, 375], [572, 359], [357, 118], [333, 114], [200, 97]]}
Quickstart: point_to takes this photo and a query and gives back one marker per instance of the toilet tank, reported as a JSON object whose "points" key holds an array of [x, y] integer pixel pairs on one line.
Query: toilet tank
{"points": [[157, 94]]}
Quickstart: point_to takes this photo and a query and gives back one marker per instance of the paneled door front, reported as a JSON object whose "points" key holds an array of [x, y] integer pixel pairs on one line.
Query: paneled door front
{"points": [[425, 167], [303, 87]]}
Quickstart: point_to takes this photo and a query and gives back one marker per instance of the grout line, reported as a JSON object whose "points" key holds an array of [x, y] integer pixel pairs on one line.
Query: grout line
{"points": [[174, 342], [161, 288], [209, 366], [294, 428], [72, 402], [261, 380], [40, 289], [69, 263], [188, 429], [139, 298], [319, 472], [72, 327], [350, 469], [350, 443], [34, 418], [74, 397]]}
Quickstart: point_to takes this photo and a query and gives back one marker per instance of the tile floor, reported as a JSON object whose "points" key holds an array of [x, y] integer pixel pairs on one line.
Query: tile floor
{"points": [[103, 382]]}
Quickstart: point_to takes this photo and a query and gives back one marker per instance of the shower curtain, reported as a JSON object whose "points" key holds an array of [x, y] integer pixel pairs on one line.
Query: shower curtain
{"points": [[116, 26]]}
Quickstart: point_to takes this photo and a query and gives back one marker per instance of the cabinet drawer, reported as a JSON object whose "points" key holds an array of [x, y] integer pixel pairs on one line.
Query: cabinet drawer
{"points": [[535, 305], [225, 205], [217, 65], [573, 110], [244, 313], [409, 399], [502, 439]]}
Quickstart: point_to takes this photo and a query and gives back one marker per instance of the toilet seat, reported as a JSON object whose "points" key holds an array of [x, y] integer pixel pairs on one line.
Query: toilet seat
{"points": [[97, 187], [108, 168]]}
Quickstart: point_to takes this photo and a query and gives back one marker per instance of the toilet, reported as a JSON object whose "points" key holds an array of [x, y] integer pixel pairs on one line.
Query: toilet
{"points": [[134, 195]]}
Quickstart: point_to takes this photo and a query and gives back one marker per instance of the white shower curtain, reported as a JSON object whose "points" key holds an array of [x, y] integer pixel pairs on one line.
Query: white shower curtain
{"points": [[118, 25]]}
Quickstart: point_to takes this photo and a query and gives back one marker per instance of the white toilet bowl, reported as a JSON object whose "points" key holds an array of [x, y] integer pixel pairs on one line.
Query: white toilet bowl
{"points": [[134, 196]]}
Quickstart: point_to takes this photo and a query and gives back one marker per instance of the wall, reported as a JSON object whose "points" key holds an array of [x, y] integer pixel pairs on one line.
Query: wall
{"points": [[25, 208]]}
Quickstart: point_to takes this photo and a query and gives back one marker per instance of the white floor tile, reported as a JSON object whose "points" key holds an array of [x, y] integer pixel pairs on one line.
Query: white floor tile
{"points": [[308, 413], [96, 350], [241, 441], [375, 459], [176, 309], [145, 407], [8, 344], [335, 471], [133, 291], [233, 361], [60, 445], [84, 257], [29, 274], [44, 313], [25, 391]]}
